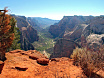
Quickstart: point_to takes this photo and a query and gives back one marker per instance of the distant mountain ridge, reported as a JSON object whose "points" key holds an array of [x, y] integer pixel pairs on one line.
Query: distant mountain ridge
{"points": [[43, 22], [38, 22]]}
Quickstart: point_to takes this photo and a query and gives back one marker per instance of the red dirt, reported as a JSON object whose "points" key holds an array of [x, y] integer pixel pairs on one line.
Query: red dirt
{"points": [[62, 69]]}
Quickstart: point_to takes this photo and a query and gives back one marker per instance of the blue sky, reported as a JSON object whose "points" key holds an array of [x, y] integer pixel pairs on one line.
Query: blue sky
{"points": [[54, 9]]}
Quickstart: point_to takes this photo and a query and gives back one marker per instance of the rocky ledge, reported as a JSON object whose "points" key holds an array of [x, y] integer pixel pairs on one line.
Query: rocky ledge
{"points": [[19, 65]]}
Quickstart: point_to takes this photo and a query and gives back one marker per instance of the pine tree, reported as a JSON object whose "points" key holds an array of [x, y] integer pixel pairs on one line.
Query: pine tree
{"points": [[16, 41], [6, 33]]}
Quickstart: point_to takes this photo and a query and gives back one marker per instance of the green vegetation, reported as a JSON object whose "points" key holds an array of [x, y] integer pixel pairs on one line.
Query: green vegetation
{"points": [[15, 30], [45, 43]]}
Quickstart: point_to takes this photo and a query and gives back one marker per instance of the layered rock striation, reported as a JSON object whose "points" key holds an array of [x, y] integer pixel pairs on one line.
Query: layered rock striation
{"points": [[87, 29], [64, 48], [28, 33]]}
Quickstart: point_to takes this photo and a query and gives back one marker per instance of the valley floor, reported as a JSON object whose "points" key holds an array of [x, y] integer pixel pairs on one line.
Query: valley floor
{"points": [[45, 43]]}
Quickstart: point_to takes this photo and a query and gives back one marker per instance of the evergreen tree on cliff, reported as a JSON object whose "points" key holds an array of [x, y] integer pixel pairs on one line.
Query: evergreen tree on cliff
{"points": [[15, 30], [6, 33]]}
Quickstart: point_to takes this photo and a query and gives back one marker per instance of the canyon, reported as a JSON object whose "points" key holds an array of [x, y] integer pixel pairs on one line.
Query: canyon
{"points": [[87, 29], [46, 51], [61, 38]]}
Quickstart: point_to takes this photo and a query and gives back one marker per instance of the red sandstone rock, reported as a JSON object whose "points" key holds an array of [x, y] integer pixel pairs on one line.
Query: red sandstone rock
{"points": [[21, 68], [25, 53], [43, 61], [33, 57], [64, 48], [55, 59], [1, 66], [16, 51], [33, 54]]}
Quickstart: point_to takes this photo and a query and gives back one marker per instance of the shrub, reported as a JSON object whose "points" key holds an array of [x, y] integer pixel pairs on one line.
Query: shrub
{"points": [[88, 59]]}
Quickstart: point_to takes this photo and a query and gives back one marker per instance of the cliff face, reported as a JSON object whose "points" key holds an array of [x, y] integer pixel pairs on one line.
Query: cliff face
{"points": [[64, 48], [76, 33], [70, 28], [28, 33], [21, 21], [94, 32], [74, 28], [34, 23], [95, 26], [67, 25]]}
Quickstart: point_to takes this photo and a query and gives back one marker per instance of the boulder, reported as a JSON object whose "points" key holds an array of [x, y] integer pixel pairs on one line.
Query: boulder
{"points": [[34, 57], [43, 61], [33, 54], [1, 66], [21, 68], [55, 59]]}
